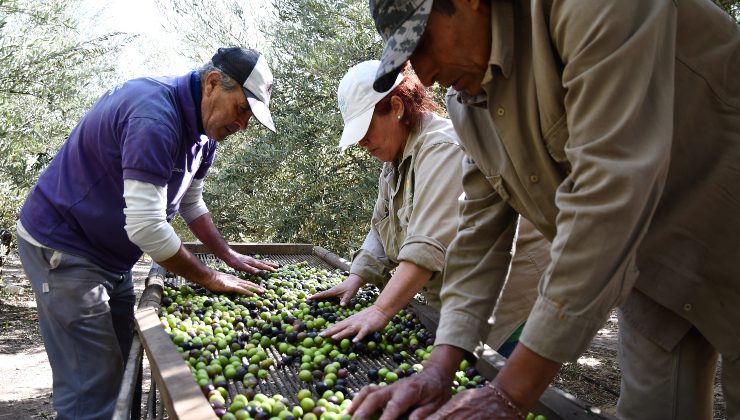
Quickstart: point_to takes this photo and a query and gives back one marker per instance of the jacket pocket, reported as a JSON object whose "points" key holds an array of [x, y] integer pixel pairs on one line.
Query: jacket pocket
{"points": [[404, 216], [498, 184], [388, 231], [556, 138]]}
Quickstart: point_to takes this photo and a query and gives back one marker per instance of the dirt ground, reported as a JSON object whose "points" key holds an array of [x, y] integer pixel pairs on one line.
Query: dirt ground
{"points": [[25, 387], [25, 384]]}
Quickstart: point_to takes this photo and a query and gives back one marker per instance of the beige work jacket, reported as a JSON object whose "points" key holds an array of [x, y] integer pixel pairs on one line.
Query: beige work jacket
{"points": [[415, 216], [614, 127]]}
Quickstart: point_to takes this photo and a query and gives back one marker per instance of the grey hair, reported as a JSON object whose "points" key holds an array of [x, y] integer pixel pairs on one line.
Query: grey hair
{"points": [[226, 82]]}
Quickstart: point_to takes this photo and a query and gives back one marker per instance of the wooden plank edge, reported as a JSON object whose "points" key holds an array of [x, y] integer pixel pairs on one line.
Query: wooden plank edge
{"points": [[180, 394], [567, 406], [331, 258], [253, 247], [150, 298]]}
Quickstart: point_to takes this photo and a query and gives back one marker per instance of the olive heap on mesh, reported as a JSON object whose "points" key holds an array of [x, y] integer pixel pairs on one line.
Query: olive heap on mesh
{"points": [[224, 338]]}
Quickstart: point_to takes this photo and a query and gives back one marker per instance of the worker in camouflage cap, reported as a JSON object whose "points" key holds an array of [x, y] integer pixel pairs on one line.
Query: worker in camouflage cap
{"points": [[612, 128], [401, 24]]}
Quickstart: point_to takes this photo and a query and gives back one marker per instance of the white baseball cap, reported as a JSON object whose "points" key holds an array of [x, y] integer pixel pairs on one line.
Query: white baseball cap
{"points": [[357, 99]]}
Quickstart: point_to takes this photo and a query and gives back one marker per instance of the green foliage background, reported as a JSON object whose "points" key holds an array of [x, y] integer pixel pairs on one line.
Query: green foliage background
{"points": [[296, 185], [49, 75], [293, 186], [732, 7]]}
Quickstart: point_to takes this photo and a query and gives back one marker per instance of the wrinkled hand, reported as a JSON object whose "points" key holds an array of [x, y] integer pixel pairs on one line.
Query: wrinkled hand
{"points": [[360, 324], [479, 404], [247, 264], [345, 290], [226, 283], [425, 392]]}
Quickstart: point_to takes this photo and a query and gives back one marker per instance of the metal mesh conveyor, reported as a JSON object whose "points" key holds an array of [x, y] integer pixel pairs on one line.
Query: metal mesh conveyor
{"points": [[174, 393], [281, 259], [284, 379]]}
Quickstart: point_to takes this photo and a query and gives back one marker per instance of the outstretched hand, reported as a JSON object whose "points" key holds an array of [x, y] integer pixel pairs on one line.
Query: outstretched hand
{"points": [[425, 391], [247, 264], [345, 290], [360, 324], [226, 283]]}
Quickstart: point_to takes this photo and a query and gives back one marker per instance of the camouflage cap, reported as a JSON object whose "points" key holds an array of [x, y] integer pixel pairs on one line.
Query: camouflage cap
{"points": [[401, 23]]}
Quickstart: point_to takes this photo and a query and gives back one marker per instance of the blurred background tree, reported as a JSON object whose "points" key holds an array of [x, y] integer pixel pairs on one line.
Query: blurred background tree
{"points": [[732, 7], [49, 75], [299, 186], [293, 186]]}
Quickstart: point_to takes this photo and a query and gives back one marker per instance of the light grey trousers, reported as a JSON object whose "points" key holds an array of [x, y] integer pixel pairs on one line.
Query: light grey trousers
{"points": [[86, 317], [676, 384]]}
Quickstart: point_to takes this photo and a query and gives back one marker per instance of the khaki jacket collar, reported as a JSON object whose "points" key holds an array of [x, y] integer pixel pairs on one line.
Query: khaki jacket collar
{"points": [[502, 51], [502, 39], [392, 169]]}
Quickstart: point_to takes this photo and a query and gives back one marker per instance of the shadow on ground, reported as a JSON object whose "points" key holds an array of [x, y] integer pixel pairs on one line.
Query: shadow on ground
{"points": [[19, 326], [28, 408]]}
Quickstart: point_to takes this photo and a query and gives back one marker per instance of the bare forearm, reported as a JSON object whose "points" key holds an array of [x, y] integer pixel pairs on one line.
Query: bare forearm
{"points": [[525, 376], [406, 282], [187, 265], [205, 230]]}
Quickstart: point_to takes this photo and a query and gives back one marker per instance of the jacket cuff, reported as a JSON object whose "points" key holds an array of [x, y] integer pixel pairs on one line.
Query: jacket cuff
{"points": [[423, 251], [369, 268], [459, 330], [556, 335]]}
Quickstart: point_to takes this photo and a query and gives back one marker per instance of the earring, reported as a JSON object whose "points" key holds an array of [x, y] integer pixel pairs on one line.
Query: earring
{"points": [[399, 117]]}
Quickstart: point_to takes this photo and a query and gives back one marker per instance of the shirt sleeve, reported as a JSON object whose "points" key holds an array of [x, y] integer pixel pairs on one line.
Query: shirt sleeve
{"points": [[148, 150], [477, 262], [433, 220], [370, 261], [145, 220], [192, 205], [618, 72]]}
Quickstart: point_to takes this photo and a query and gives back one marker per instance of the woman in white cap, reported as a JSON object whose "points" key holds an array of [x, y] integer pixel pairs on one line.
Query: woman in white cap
{"points": [[416, 214]]}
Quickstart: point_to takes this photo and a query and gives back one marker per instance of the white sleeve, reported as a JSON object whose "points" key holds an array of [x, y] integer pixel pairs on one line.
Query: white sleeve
{"points": [[146, 223], [192, 205]]}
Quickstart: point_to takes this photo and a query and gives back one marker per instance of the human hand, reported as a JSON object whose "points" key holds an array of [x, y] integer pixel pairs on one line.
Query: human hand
{"points": [[425, 391], [247, 264], [484, 403], [226, 283], [360, 324], [345, 290]]}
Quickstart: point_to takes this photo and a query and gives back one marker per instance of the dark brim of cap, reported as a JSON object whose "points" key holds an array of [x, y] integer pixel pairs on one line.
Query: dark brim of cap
{"points": [[385, 82], [400, 45], [260, 110]]}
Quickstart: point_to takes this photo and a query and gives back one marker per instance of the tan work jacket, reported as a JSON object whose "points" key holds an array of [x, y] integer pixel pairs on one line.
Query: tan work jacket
{"points": [[614, 127], [415, 216]]}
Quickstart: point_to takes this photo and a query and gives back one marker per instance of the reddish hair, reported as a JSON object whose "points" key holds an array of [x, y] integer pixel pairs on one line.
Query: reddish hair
{"points": [[416, 102]]}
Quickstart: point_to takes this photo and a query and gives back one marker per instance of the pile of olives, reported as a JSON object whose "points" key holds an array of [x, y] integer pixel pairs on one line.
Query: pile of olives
{"points": [[233, 344]]}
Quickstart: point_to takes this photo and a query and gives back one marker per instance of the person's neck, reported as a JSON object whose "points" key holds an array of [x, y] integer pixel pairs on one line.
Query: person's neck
{"points": [[197, 92]]}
